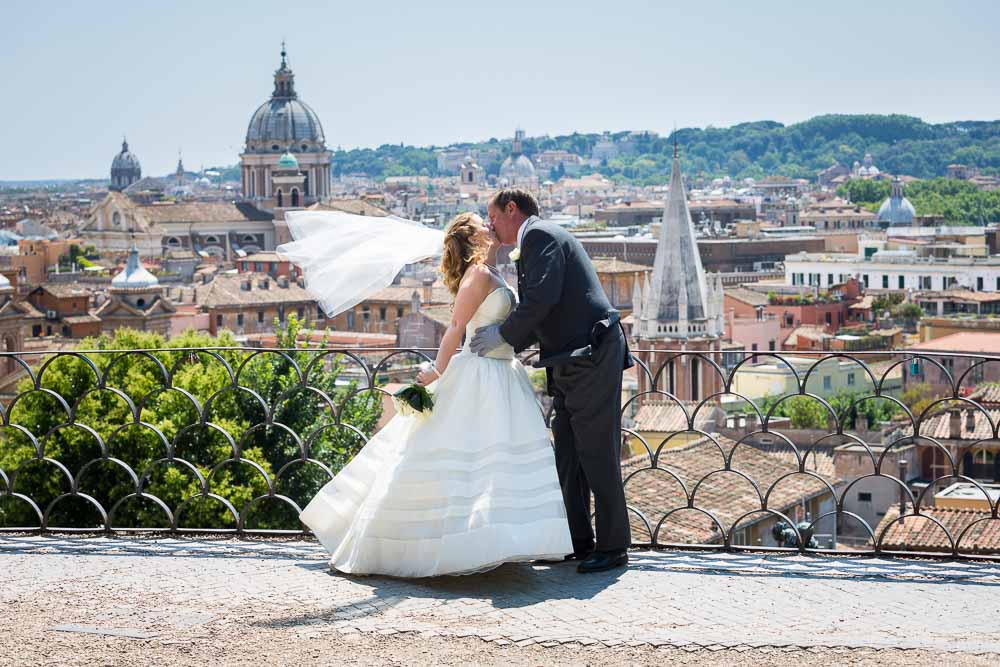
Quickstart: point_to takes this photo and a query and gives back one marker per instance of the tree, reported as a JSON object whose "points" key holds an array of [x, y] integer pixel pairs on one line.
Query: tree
{"points": [[171, 427]]}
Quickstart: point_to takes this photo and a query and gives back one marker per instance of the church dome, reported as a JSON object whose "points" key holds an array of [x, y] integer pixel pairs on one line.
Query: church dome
{"points": [[897, 209], [125, 168], [517, 169], [135, 275], [288, 161], [284, 120]]}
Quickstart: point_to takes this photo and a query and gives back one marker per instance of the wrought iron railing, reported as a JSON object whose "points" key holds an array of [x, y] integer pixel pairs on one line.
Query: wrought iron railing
{"points": [[864, 453]]}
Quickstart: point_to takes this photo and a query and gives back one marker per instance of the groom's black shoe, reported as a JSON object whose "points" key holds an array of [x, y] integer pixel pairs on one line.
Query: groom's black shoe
{"points": [[599, 561], [576, 555]]}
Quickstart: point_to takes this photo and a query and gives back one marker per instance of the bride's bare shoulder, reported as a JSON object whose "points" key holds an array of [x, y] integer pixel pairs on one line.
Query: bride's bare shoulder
{"points": [[477, 276]]}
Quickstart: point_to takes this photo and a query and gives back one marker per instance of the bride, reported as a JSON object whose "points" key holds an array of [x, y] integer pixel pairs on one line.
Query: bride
{"points": [[469, 487]]}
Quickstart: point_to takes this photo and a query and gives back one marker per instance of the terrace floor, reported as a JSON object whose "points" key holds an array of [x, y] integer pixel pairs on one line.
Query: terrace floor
{"points": [[79, 600]]}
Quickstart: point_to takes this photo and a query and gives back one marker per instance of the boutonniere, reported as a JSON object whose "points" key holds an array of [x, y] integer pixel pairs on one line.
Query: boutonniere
{"points": [[515, 254]]}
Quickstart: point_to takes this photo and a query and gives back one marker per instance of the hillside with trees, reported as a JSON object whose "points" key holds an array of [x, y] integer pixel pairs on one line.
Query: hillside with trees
{"points": [[899, 144]]}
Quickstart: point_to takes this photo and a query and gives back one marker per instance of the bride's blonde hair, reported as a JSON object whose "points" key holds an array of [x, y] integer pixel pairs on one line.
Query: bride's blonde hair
{"points": [[460, 249]]}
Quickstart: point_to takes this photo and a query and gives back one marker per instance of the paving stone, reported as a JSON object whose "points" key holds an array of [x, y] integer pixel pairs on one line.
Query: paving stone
{"points": [[686, 599]]}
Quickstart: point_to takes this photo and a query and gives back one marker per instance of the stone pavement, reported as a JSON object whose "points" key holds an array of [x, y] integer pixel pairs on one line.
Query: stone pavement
{"points": [[146, 587]]}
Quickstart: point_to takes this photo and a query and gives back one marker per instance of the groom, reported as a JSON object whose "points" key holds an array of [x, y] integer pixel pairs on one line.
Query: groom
{"points": [[564, 309]]}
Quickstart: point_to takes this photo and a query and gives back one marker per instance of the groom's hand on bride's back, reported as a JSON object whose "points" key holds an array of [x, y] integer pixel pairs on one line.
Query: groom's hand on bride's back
{"points": [[486, 340]]}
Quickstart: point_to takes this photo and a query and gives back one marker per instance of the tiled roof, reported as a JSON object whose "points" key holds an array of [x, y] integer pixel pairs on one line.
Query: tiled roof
{"points": [[355, 206], [614, 265], [726, 495], [962, 341], [64, 290], [939, 425], [399, 294], [668, 417], [749, 297], [226, 290], [440, 314], [81, 319], [987, 394], [263, 257], [197, 212], [913, 534]]}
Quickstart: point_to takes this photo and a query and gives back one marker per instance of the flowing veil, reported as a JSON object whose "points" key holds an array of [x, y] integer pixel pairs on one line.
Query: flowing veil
{"points": [[346, 258]]}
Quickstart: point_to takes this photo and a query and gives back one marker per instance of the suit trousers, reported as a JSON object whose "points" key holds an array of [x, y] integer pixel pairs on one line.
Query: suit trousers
{"points": [[586, 424]]}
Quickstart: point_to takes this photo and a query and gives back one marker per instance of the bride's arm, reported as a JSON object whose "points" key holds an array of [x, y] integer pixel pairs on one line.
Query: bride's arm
{"points": [[475, 287]]}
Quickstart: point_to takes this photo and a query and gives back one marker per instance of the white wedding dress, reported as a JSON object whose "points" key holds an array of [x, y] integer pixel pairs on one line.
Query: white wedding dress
{"points": [[465, 489]]}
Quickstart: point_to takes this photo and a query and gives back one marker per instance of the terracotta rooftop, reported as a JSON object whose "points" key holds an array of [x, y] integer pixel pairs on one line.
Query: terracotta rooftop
{"points": [[749, 297], [194, 212], [987, 394], [669, 417], [614, 265], [913, 534], [226, 290], [726, 495], [64, 290], [963, 341], [355, 206]]}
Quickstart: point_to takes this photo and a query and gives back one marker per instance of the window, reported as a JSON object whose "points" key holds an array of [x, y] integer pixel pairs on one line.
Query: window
{"points": [[365, 313], [902, 282], [998, 284], [300, 312], [925, 282], [319, 313], [979, 284], [950, 281], [116, 220], [829, 279], [399, 312], [281, 313], [827, 382], [864, 279], [771, 346], [850, 379], [864, 497], [260, 316], [381, 313], [258, 267], [218, 320], [829, 318], [885, 282], [239, 319]]}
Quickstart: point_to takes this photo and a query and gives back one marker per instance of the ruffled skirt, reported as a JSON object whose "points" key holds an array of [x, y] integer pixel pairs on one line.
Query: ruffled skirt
{"points": [[465, 489]]}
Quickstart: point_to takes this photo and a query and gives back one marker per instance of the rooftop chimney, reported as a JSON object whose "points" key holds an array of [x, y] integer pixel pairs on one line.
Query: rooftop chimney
{"points": [[955, 424]]}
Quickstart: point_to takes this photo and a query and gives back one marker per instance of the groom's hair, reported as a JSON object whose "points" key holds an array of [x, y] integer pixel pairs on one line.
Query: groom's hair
{"points": [[523, 199]]}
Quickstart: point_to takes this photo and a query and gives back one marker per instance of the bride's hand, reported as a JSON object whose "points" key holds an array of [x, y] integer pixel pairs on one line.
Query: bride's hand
{"points": [[424, 378]]}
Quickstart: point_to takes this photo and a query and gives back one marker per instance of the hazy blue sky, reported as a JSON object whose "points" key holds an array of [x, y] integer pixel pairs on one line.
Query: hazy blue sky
{"points": [[189, 74]]}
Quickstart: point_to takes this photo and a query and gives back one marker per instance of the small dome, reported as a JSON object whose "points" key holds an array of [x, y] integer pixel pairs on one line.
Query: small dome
{"points": [[135, 275], [517, 169], [125, 168], [288, 161], [897, 211]]}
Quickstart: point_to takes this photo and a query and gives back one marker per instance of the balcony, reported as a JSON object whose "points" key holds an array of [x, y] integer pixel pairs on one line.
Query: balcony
{"points": [[827, 453]]}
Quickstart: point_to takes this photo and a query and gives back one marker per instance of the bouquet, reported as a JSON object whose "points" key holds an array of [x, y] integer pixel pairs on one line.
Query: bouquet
{"points": [[413, 400]]}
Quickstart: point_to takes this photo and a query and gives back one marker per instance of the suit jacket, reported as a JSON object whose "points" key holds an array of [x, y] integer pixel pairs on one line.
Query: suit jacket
{"points": [[562, 304]]}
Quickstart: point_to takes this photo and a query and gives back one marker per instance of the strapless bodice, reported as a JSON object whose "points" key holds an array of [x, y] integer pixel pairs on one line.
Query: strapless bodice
{"points": [[493, 310]]}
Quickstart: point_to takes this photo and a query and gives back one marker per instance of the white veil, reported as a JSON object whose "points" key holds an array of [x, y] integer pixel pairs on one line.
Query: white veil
{"points": [[347, 258]]}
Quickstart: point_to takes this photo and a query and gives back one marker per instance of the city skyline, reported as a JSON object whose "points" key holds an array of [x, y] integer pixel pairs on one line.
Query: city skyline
{"points": [[190, 78]]}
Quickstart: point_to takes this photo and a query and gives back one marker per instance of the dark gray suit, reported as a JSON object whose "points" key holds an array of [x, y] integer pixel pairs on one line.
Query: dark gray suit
{"points": [[564, 309]]}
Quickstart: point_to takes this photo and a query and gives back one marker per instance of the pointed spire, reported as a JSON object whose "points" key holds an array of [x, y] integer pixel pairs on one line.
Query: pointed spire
{"points": [[284, 55], [678, 303], [124, 144]]}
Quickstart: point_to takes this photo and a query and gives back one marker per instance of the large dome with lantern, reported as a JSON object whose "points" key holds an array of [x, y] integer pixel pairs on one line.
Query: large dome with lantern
{"points": [[284, 122]]}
